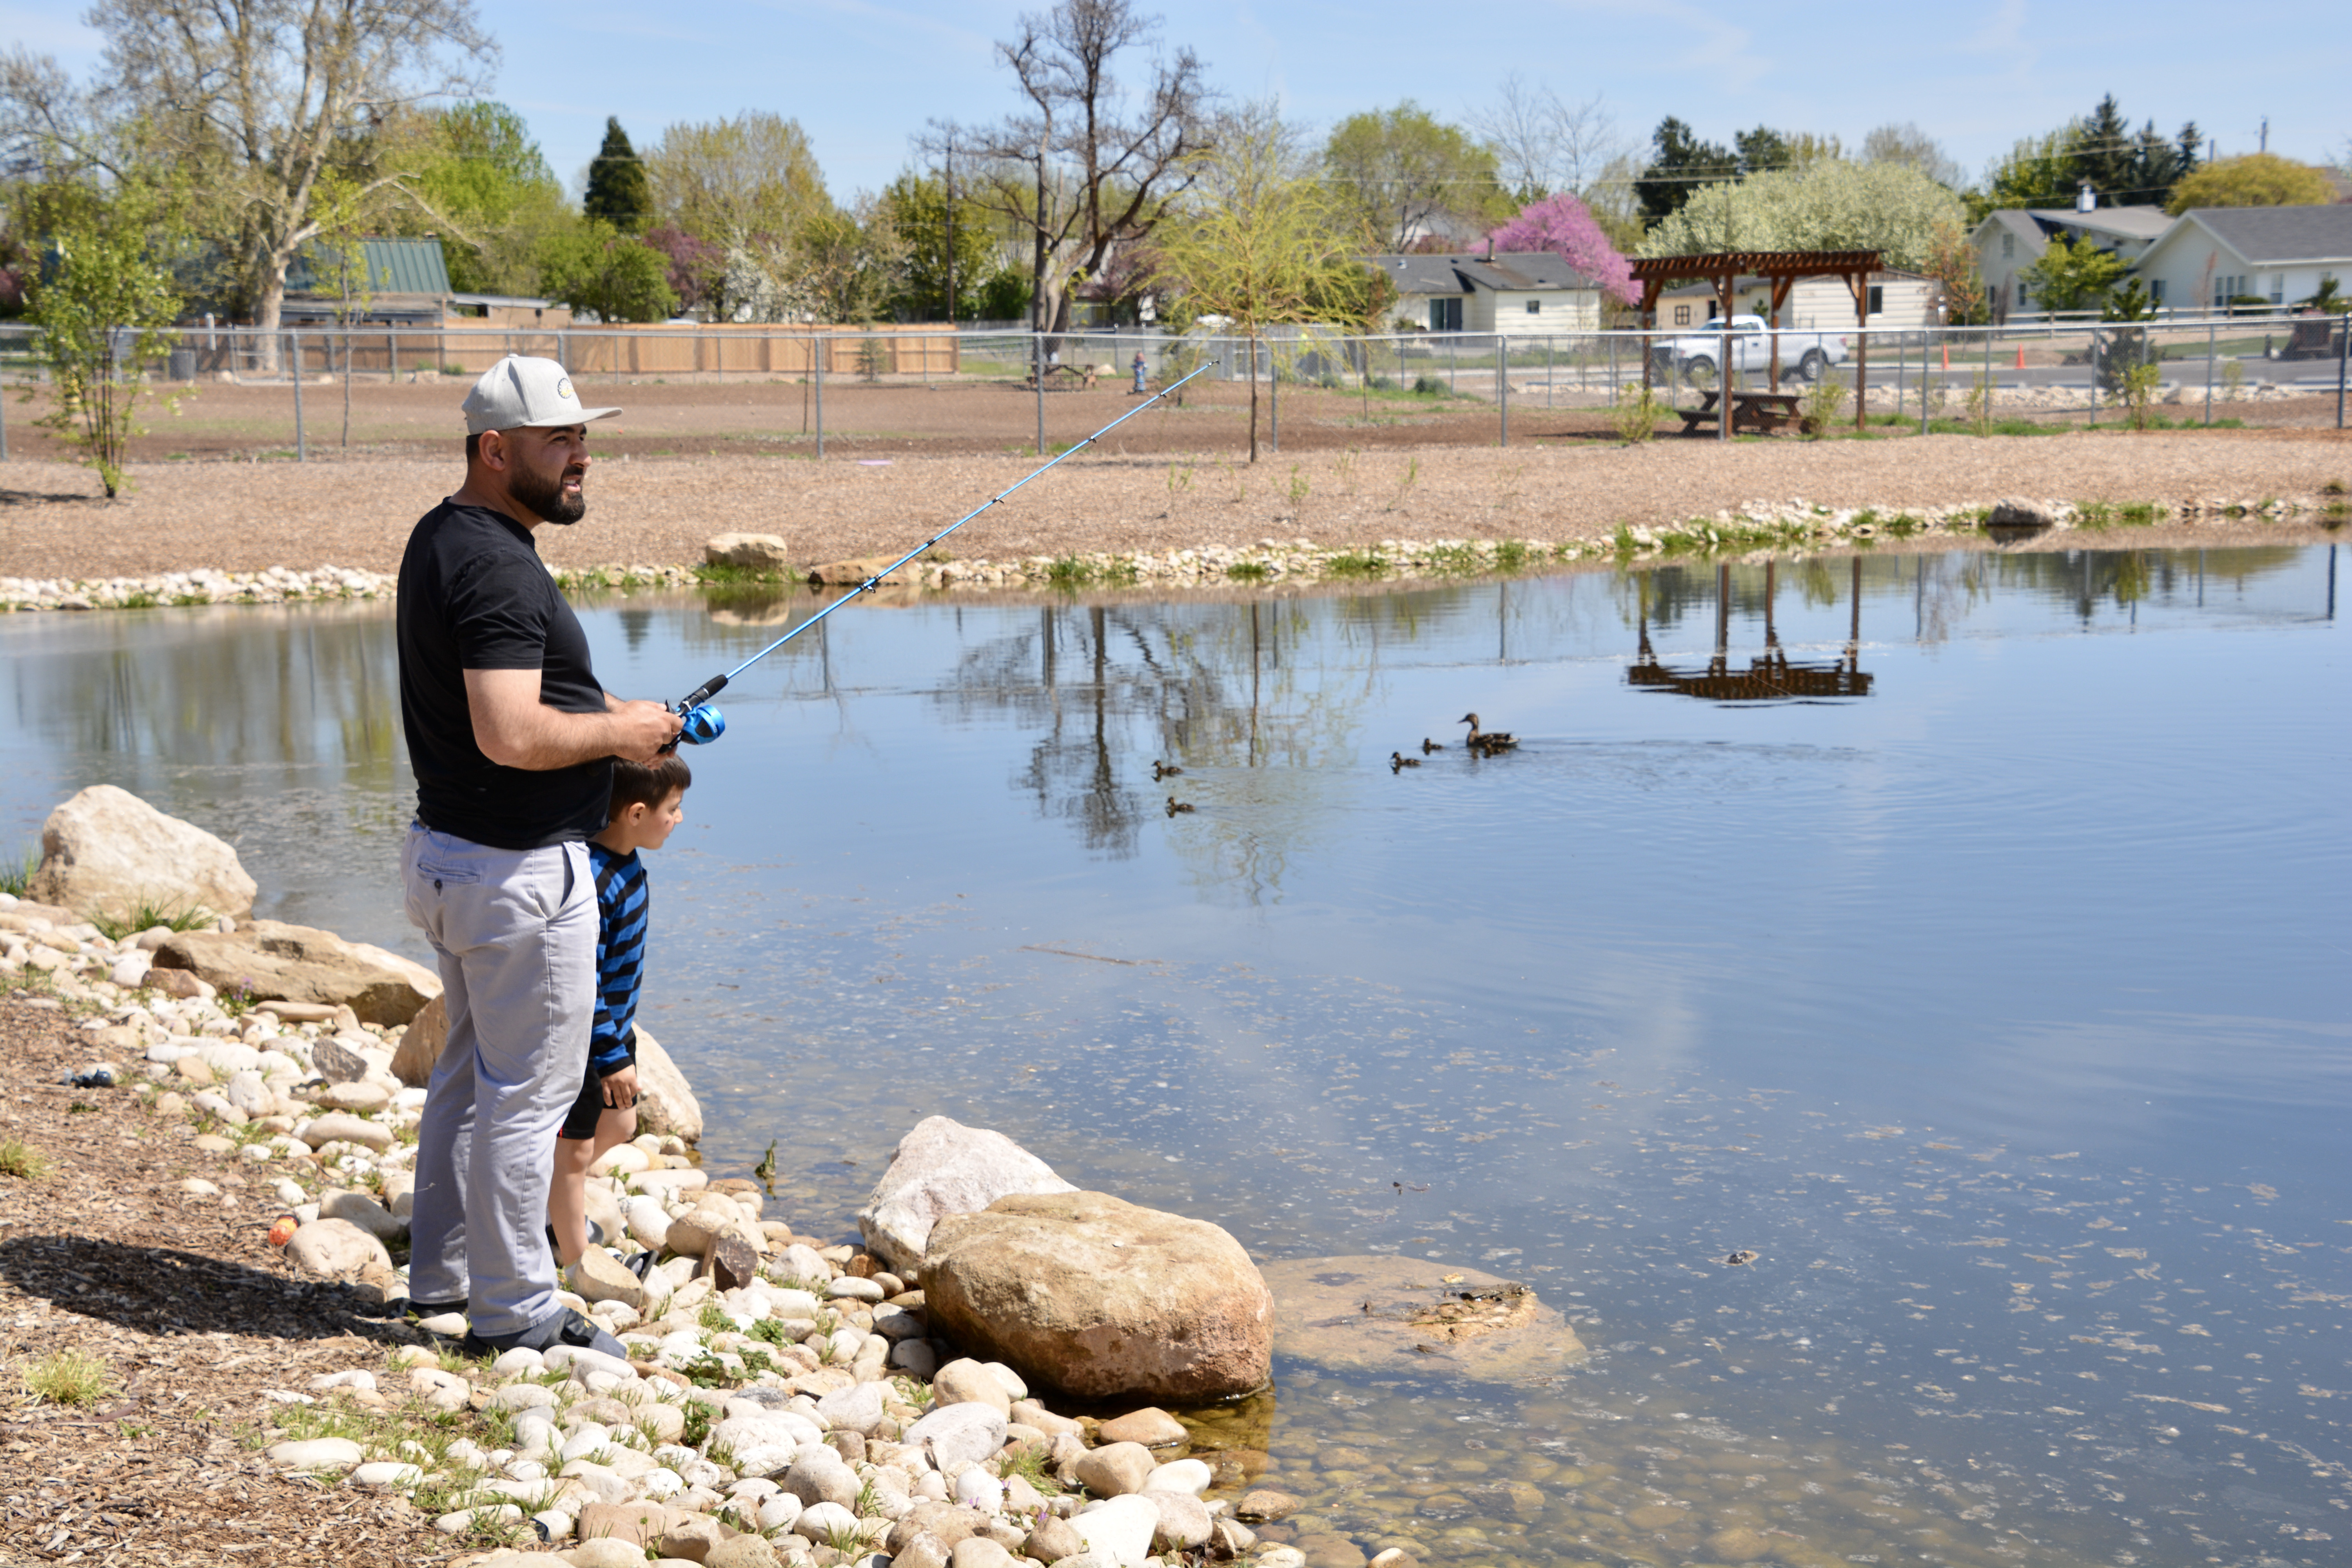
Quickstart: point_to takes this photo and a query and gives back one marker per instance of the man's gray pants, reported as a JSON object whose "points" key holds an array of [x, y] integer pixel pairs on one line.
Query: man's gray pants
{"points": [[515, 932]]}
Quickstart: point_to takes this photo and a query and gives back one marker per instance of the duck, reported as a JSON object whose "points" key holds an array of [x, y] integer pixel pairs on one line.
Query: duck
{"points": [[1175, 805], [1428, 745], [1486, 744], [1163, 771], [1398, 761]]}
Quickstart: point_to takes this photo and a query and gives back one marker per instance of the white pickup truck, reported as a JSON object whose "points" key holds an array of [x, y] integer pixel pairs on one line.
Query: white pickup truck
{"points": [[1803, 355]]}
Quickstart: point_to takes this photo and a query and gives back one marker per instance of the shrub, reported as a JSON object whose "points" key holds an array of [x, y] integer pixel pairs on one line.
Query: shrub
{"points": [[1636, 416], [1819, 409]]}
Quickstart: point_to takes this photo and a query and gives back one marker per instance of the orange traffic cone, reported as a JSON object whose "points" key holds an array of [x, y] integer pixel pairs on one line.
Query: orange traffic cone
{"points": [[1947, 356], [2020, 356]]}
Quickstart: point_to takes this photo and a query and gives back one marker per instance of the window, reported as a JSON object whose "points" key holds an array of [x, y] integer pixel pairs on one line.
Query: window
{"points": [[1535, 306], [2156, 291], [1445, 315], [1682, 315], [2008, 246], [2021, 293], [2278, 288], [1877, 298]]}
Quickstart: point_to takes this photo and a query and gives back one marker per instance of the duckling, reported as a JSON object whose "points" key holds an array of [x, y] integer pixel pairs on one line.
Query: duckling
{"points": [[1163, 771], [1398, 761], [1487, 744], [1428, 745], [1175, 805]]}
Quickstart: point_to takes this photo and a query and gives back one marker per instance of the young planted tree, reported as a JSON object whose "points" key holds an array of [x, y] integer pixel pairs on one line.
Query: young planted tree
{"points": [[1260, 240], [1952, 264], [2073, 275], [105, 304]]}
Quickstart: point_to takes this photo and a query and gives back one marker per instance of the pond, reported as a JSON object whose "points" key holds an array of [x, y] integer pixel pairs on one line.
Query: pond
{"points": [[1960, 934]]}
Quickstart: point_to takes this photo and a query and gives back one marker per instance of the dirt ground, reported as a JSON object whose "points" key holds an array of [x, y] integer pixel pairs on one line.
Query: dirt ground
{"points": [[193, 1314], [659, 511]]}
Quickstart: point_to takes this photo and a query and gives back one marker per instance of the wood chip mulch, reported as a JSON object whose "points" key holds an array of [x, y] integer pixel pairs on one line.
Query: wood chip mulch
{"points": [[194, 1315]]}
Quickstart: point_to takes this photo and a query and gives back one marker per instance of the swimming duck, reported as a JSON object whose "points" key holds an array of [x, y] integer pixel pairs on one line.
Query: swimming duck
{"points": [[1428, 745], [1175, 805], [1398, 761], [1163, 771], [1487, 743]]}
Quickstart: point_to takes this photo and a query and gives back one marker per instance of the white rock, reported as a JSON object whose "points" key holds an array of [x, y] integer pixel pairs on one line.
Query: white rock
{"points": [[386, 1475], [942, 1167], [335, 1250], [647, 1221], [779, 1512], [1187, 1476], [1119, 1528], [821, 1521], [364, 1212], [353, 1377], [107, 849], [958, 1434], [463, 1521], [975, 1488], [337, 1454]]}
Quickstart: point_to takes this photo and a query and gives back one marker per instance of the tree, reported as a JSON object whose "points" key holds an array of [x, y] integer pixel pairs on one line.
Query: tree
{"points": [[849, 259], [1544, 145], [599, 271], [1564, 225], [2255, 180], [1907, 143], [1681, 164], [2072, 276], [928, 230], [256, 101], [105, 305], [1077, 173], [1408, 176], [495, 199], [1952, 264], [1262, 241], [1888, 208], [2122, 166], [618, 191]]}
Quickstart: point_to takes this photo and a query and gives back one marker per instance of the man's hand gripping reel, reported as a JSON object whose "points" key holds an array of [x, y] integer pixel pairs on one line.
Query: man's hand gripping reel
{"points": [[702, 723]]}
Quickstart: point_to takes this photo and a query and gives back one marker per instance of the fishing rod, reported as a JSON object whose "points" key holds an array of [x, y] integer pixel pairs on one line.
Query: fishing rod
{"points": [[704, 723]]}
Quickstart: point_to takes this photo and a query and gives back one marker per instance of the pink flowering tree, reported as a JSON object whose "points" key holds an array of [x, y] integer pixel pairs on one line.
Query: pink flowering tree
{"points": [[1563, 225]]}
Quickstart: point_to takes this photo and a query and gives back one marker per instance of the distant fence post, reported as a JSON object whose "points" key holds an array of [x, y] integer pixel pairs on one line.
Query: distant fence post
{"points": [[2343, 364], [816, 374], [2211, 340], [1273, 393], [301, 437], [1503, 385], [1037, 373]]}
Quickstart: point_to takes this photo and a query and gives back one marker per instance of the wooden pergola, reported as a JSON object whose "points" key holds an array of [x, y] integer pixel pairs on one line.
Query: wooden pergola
{"points": [[1780, 268]]}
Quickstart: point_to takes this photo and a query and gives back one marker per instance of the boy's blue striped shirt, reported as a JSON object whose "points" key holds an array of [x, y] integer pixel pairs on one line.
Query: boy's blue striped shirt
{"points": [[623, 907]]}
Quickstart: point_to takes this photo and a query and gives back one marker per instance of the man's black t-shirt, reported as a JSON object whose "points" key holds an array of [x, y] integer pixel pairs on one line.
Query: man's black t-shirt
{"points": [[475, 595]]}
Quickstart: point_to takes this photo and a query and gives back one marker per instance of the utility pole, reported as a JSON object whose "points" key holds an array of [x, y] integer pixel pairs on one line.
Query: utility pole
{"points": [[2266, 132], [951, 228]]}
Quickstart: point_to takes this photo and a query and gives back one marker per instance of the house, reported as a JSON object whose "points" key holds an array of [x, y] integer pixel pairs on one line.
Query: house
{"points": [[1514, 294], [1898, 300], [2013, 239], [2213, 254], [407, 284], [508, 311]]}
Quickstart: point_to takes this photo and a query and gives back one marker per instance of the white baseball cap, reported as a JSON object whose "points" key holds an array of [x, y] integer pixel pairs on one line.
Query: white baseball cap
{"points": [[519, 391]]}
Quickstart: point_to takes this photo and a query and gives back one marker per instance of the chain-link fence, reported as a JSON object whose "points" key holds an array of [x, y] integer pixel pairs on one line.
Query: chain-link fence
{"points": [[999, 386]]}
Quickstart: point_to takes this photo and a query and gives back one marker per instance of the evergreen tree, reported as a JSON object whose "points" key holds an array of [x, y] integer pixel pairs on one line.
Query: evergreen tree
{"points": [[618, 191], [1683, 164]]}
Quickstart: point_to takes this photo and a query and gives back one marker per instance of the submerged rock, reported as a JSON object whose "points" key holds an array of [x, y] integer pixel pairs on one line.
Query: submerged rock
{"points": [[1398, 1315], [1101, 1299]]}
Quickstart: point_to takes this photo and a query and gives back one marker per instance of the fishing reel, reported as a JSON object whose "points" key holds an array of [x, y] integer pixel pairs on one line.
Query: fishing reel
{"points": [[701, 725]]}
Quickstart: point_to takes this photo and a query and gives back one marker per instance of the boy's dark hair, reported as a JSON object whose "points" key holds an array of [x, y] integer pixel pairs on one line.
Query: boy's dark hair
{"points": [[635, 784]]}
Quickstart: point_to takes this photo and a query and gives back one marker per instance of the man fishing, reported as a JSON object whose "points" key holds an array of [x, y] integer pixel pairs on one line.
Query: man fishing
{"points": [[511, 739]]}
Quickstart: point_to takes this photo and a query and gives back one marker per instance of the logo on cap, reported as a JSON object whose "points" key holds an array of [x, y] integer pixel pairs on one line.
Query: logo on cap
{"points": [[563, 389]]}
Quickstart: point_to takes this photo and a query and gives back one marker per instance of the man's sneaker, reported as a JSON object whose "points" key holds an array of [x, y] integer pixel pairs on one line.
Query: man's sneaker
{"points": [[562, 1327]]}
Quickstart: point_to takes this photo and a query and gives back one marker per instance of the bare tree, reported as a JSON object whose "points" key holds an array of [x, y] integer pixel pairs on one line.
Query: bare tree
{"points": [[258, 102], [1907, 143], [1079, 172], [1545, 145]]}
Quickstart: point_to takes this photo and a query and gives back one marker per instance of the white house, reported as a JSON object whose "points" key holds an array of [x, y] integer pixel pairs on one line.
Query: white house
{"points": [[2013, 239], [1899, 299], [1514, 293], [2213, 255]]}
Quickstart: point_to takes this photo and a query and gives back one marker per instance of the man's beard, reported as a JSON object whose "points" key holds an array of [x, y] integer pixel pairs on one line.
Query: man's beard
{"points": [[545, 499]]}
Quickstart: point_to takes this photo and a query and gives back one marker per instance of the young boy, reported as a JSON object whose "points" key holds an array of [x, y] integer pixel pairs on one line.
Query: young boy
{"points": [[647, 802]]}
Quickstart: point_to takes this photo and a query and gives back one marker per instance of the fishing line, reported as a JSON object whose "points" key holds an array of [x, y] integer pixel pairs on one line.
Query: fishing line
{"points": [[704, 723]]}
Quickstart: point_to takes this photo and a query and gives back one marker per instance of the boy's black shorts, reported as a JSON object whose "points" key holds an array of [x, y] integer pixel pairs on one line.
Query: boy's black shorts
{"points": [[580, 1122]]}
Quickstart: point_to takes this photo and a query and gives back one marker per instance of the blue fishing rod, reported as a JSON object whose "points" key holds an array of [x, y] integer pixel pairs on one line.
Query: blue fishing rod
{"points": [[704, 723]]}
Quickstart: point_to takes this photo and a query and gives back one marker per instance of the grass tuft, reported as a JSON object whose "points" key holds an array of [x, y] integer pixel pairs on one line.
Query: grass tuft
{"points": [[147, 914], [22, 1161], [1356, 564], [1249, 572], [16, 874], [69, 1378]]}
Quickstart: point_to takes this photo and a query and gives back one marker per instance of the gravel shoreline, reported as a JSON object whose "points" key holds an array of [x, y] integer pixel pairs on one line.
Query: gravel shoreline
{"points": [[249, 518]]}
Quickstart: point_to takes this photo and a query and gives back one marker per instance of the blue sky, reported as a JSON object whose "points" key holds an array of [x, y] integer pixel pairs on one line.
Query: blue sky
{"points": [[862, 76]]}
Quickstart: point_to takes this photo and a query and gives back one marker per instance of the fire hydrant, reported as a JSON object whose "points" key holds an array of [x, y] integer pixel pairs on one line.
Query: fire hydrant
{"points": [[1138, 368]]}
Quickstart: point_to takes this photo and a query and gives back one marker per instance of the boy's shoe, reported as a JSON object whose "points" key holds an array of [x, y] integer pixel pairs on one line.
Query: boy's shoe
{"points": [[562, 1327], [639, 1263]]}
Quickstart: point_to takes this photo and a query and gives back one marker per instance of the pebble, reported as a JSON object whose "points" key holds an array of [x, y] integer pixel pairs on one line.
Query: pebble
{"points": [[338, 1453]]}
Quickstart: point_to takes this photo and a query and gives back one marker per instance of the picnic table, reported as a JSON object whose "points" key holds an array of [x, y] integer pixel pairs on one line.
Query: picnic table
{"points": [[1761, 412], [1062, 375]]}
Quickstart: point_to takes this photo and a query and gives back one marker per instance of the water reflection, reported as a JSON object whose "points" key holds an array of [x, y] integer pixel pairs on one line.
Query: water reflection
{"points": [[1771, 677]]}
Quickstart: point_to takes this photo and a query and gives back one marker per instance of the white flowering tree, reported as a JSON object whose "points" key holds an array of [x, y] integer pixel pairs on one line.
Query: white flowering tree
{"points": [[1832, 204]]}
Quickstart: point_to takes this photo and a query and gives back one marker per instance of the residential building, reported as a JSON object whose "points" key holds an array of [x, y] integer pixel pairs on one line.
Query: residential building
{"points": [[407, 284], [1898, 300], [1514, 294], [2010, 240], [2211, 255]]}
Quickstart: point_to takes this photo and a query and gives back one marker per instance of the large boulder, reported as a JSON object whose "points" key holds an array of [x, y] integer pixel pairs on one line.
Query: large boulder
{"points": [[420, 1044], [665, 1104], [748, 551], [272, 960], [942, 1168], [106, 852], [1102, 1300]]}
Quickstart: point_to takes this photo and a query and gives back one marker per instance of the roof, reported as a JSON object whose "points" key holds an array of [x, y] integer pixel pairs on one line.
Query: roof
{"points": [[2268, 236], [1656, 269], [2019, 223], [2124, 223], [1514, 271], [394, 267], [519, 301], [1694, 290]]}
